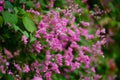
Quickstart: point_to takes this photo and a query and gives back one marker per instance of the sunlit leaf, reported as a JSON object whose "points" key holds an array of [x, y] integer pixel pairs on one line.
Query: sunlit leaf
{"points": [[9, 18], [29, 24]]}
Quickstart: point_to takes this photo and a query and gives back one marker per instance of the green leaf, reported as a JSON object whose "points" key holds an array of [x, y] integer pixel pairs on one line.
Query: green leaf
{"points": [[16, 28], [7, 5], [29, 24], [32, 38], [1, 21], [112, 7], [42, 3], [9, 18], [7, 77], [16, 10], [26, 34], [1, 74], [29, 4], [21, 1]]}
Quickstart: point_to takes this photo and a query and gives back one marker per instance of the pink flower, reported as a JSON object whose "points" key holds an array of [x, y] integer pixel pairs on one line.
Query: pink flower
{"points": [[55, 68], [55, 44], [26, 68], [37, 5], [1, 8], [64, 21], [2, 69], [98, 33], [97, 77], [11, 1], [45, 68], [75, 65], [84, 59], [1, 2], [37, 46], [74, 45], [85, 24], [68, 57], [1, 5], [103, 30], [24, 39], [8, 53], [85, 48], [33, 12], [17, 67], [48, 56], [93, 69], [59, 59], [37, 78], [48, 75]]}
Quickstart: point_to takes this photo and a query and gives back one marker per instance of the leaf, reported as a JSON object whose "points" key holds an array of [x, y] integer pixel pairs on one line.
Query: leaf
{"points": [[29, 24], [112, 7], [29, 4], [32, 38], [1, 74], [16, 28], [26, 34], [1, 21], [16, 10], [7, 5], [42, 3], [9, 18], [21, 1], [7, 77]]}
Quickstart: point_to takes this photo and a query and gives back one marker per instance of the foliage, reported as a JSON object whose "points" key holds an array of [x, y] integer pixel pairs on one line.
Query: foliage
{"points": [[59, 40]]}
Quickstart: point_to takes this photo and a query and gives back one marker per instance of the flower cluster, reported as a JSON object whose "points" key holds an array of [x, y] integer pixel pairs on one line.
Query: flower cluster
{"points": [[62, 37], [1, 5], [58, 45]]}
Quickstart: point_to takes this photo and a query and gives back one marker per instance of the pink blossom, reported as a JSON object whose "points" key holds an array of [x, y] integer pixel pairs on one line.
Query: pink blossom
{"points": [[17, 66], [1, 5], [2, 69], [84, 59], [85, 48], [37, 5], [26, 68], [84, 32], [97, 77], [51, 4], [103, 30], [41, 24], [1, 1], [37, 78], [35, 66], [55, 44], [33, 12], [75, 65], [85, 24], [93, 69], [8, 53], [74, 45], [48, 56], [1, 8], [55, 68], [45, 68], [97, 33], [68, 56], [24, 39], [59, 59], [48, 75], [11, 1], [64, 21], [37, 46]]}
